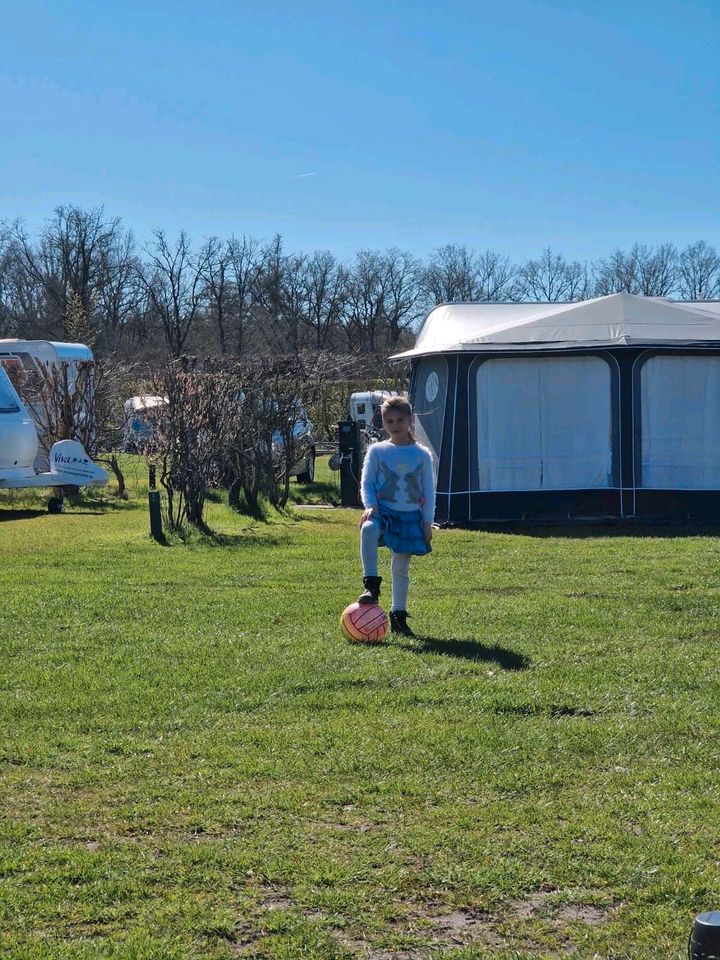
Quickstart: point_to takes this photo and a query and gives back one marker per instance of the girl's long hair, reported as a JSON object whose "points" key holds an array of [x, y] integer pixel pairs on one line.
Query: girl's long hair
{"points": [[402, 405]]}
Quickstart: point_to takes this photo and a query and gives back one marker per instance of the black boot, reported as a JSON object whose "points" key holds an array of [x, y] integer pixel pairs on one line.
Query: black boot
{"points": [[371, 593], [398, 623]]}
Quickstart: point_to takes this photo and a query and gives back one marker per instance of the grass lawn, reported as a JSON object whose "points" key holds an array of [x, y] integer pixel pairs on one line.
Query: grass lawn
{"points": [[194, 763]]}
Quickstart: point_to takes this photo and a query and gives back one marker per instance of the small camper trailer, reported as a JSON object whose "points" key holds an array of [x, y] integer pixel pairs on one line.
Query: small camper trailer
{"points": [[22, 463], [28, 363], [141, 416], [365, 408], [607, 408]]}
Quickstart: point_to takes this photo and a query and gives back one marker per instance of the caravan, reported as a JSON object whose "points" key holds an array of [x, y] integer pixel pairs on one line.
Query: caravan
{"points": [[20, 464]]}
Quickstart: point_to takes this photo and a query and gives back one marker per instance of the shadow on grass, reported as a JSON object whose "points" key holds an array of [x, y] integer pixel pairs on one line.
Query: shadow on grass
{"points": [[32, 514], [554, 710], [322, 492], [250, 537], [605, 529], [102, 506], [466, 650], [21, 514]]}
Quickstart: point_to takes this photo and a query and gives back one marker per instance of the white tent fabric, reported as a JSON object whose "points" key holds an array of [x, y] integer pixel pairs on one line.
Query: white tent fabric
{"points": [[680, 402], [544, 424], [620, 319]]}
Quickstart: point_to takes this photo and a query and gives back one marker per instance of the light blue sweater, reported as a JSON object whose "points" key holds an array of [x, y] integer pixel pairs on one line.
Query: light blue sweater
{"points": [[399, 476]]}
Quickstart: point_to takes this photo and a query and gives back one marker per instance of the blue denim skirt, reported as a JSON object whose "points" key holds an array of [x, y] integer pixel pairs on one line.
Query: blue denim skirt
{"points": [[403, 532]]}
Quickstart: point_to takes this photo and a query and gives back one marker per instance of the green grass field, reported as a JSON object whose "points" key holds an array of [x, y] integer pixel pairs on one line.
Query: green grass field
{"points": [[194, 763]]}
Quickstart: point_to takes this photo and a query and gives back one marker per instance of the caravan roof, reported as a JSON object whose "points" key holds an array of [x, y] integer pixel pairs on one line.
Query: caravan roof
{"points": [[47, 351]]}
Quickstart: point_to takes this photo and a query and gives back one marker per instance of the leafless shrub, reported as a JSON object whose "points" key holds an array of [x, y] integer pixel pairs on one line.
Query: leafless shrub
{"points": [[80, 400], [239, 423]]}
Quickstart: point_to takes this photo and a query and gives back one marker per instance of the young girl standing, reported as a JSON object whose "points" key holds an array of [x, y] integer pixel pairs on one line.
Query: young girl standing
{"points": [[398, 493]]}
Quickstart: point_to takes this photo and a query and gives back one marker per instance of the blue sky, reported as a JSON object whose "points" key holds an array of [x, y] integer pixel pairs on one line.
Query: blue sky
{"points": [[580, 124]]}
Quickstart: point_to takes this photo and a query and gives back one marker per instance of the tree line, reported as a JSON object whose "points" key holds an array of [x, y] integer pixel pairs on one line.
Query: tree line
{"points": [[85, 278]]}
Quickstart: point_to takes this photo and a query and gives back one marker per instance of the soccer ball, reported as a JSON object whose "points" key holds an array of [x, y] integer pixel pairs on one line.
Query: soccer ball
{"points": [[364, 623]]}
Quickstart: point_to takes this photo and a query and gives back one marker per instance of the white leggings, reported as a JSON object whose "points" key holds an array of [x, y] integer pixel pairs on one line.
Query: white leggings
{"points": [[399, 565]]}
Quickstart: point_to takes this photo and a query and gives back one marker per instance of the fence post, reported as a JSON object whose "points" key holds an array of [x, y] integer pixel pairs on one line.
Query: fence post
{"points": [[156, 530]]}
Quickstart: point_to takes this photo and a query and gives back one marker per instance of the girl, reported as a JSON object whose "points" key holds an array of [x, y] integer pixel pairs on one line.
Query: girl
{"points": [[398, 493]]}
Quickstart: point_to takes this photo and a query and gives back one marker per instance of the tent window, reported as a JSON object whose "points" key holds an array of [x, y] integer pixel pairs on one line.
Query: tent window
{"points": [[680, 423], [429, 400], [544, 424]]}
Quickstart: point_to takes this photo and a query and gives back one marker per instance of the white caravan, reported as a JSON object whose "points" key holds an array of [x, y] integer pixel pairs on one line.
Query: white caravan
{"points": [[365, 408], [27, 362], [69, 464], [140, 422]]}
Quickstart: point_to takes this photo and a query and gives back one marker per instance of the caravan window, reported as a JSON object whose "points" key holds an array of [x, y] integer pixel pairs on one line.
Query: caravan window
{"points": [[543, 423], [680, 423], [25, 375], [8, 398]]}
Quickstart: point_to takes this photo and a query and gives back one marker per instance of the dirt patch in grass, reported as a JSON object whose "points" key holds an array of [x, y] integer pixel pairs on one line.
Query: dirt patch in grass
{"points": [[462, 927], [366, 950], [246, 944], [541, 904], [581, 913], [442, 931], [277, 900], [358, 827], [242, 941]]}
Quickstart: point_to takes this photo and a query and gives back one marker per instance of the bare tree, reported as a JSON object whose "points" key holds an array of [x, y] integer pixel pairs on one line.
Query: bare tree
{"points": [[618, 273], [247, 265], [656, 269], [175, 287], [23, 300], [365, 302], [496, 277], [699, 272], [458, 275], [402, 299], [8, 312], [120, 294], [647, 271], [451, 276], [214, 267], [551, 279], [384, 298], [268, 315], [288, 302], [325, 281], [579, 281], [70, 257], [301, 299]]}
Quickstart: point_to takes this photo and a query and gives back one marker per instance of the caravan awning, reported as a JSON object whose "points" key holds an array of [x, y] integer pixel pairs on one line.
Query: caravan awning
{"points": [[618, 320]]}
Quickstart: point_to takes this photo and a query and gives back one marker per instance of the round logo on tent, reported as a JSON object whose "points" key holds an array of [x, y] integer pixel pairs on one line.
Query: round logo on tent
{"points": [[432, 387]]}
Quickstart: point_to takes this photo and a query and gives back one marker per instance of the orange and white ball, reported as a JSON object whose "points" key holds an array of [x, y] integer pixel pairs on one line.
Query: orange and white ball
{"points": [[364, 623]]}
